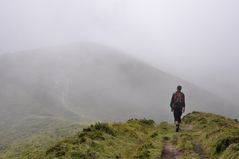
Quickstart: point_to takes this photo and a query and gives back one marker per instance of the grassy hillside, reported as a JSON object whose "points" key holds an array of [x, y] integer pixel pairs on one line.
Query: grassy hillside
{"points": [[218, 135], [32, 137], [133, 139], [203, 135]]}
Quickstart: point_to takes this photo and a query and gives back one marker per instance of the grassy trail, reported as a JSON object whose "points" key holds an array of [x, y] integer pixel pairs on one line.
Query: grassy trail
{"points": [[199, 150], [202, 136], [170, 151], [144, 139]]}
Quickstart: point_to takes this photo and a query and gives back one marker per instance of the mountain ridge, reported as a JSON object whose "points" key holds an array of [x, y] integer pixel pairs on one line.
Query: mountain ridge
{"points": [[202, 135], [85, 84]]}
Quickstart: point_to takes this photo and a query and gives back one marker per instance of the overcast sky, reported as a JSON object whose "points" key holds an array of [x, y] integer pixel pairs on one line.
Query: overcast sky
{"points": [[197, 40]]}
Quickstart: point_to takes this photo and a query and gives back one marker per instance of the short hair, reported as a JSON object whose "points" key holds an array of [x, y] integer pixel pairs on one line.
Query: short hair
{"points": [[179, 88]]}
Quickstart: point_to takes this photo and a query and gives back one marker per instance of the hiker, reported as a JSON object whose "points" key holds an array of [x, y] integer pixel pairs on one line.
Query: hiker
{"points": [[177, 105]]}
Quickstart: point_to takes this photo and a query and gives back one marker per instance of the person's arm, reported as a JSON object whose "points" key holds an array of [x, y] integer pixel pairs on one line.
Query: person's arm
{"points": [[171, 103], [183, 103]]}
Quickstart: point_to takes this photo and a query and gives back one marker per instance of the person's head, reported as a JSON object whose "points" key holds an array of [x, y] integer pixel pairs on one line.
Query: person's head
{"points": [[179, 88]]}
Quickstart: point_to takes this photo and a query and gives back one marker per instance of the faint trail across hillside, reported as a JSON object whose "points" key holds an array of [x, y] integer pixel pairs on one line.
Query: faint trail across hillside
{"points": [[170, 151]]}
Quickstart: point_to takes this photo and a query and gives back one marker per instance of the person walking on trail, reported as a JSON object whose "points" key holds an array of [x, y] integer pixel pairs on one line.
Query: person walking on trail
{"points": [[177, 105]]}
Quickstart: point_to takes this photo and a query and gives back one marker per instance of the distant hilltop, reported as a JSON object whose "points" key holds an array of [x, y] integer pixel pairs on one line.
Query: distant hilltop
{"points": [[90, 82]]}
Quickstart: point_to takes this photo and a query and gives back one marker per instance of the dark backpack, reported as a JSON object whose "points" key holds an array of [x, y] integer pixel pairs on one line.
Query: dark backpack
{"points": [[178, 98]]}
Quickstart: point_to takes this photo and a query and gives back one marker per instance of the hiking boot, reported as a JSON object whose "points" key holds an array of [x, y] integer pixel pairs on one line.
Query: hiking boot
{"points": [[177, 128]]}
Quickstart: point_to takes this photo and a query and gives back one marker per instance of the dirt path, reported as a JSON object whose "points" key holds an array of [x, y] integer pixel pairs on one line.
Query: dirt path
{"points": [[198, 149], [170, 151]]}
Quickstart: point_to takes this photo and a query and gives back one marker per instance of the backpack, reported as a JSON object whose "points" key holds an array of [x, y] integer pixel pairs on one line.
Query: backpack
{"points": [[178, 98]]}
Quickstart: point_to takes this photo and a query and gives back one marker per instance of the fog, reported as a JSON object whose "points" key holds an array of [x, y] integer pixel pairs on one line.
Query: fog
{"points": [[194, 40], [89, 82]]}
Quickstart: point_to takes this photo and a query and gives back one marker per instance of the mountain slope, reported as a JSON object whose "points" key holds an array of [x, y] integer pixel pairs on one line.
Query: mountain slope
{"points": [[215, 135], [218, 135], [85, 83], [32, 137], [91, 82], [203, 135], [132, 139]]}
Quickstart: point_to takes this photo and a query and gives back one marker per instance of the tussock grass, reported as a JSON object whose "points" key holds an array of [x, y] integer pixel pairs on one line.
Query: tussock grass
{"points": [[216, 136], [136, 138]]}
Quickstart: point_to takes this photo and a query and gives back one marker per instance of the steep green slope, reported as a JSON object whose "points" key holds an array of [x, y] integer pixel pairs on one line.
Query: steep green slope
{"points": [[32, 137], [218, 135], [133, 139], [203, 135]]}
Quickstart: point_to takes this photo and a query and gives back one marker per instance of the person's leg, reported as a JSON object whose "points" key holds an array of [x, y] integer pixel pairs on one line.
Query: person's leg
{"points": [[177, 118], [180, 112]]}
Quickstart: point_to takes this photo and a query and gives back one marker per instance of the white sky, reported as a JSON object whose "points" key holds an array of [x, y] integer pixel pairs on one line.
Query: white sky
{"points": [[197, 40]]}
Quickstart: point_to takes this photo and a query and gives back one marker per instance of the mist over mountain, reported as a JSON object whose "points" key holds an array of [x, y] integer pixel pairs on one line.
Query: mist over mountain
{"points": [[94, 79], [89, 82]]}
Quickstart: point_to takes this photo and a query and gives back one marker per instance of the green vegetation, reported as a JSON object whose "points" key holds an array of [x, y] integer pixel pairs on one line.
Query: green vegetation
{"points": [[31, 139], [203, 135], [218, 135], [133, 139]]}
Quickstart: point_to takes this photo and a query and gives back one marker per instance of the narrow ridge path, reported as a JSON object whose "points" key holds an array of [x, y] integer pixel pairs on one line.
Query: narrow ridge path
{"points": [[198, 149], [170, 151]]}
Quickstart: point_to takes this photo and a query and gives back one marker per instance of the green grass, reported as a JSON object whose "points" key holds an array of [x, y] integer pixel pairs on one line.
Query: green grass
{"points": [[32, 139], [218, 136], [133, 139]]}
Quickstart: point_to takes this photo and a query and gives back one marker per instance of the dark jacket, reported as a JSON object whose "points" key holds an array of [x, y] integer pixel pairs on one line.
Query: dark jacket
{"points": [[181, 104]]}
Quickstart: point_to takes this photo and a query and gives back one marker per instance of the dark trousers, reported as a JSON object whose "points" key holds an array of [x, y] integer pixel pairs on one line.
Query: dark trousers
{"points": [[177, 112]]}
